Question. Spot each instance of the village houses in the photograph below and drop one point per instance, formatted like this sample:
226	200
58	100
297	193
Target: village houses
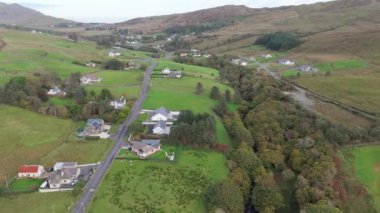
96	128
56	92
286	62
64	178
146	148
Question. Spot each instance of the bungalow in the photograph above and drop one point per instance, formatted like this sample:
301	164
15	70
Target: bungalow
161	128
94	126
174	74
66	176
56	92
114	53
306	68
145	148
65	165
206	55
286	62
119	104
30	171
166	71
89	79
91	64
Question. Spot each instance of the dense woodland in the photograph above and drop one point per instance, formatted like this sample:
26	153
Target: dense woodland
31	93
284	158
279	41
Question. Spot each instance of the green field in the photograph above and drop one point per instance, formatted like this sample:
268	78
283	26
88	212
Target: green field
25	185
120	83
366	164
361	90
61	101
158	186
192	70
27	53
290	73
341	65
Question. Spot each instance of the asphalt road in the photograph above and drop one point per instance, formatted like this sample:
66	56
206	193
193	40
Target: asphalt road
93	184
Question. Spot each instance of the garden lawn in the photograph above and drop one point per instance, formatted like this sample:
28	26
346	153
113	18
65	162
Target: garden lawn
25	185
366	163
191	70
150	186
120	83
290	73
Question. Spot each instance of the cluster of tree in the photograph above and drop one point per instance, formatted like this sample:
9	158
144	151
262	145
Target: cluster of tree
279	41
73	36
31	93
103	40
177	44
193	129
114	64
277	143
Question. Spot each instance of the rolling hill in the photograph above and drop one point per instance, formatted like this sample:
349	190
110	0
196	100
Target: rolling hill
15	14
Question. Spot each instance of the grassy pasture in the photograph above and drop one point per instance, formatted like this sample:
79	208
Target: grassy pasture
359	89
290	73
341	65
158	186
26	53
196	71
120	83
366	164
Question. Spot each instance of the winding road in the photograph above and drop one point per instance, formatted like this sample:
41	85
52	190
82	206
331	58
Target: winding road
93	184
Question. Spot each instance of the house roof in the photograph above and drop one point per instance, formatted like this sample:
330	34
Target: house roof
151	142
28	169
65	164
97	123
162	111
63	174
160	124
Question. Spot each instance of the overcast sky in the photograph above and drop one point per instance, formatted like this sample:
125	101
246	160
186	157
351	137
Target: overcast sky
122	10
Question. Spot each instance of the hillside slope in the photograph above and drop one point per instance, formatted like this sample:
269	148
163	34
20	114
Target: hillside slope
15	14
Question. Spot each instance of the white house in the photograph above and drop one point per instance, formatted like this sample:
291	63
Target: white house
119	104
183	54
166	71
114	53
91	64
65	165
244	63
89	79
206	55
161	128
30	171
66	176
286	62
56	92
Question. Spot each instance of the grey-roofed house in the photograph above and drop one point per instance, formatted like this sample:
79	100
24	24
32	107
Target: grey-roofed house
63	178
306	68
161	114
145	148
94	126
161	128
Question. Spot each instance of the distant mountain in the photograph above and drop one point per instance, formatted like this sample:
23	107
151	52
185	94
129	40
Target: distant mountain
15	14
227	14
